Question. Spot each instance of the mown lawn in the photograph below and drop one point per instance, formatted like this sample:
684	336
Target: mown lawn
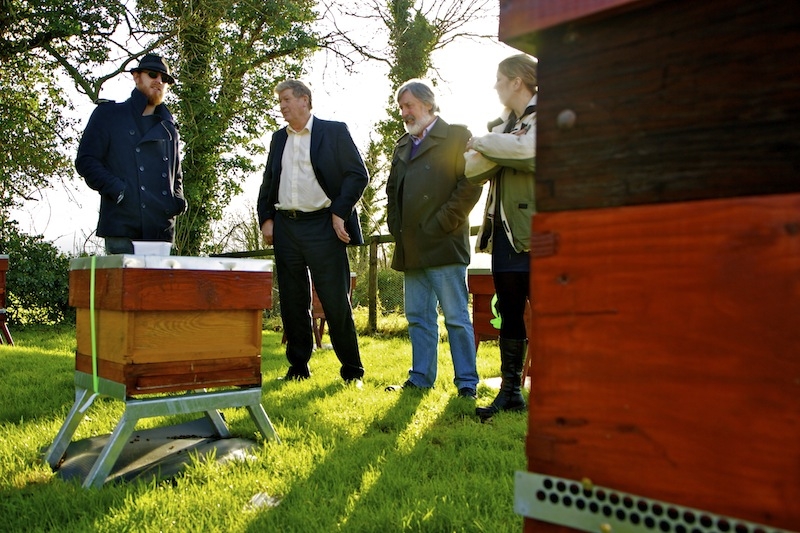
349	460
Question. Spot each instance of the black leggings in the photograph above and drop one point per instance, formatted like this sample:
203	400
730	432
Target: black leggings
512	294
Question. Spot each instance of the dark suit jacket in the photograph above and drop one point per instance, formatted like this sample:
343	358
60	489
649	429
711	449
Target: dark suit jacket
337	165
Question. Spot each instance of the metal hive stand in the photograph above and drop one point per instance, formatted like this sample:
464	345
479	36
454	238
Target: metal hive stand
135	409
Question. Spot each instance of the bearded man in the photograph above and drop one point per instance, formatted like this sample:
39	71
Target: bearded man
429	201
129	153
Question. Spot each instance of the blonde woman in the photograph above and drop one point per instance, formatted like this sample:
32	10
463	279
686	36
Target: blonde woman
505	158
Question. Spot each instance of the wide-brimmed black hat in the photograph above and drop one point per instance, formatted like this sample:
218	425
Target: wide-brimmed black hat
156	64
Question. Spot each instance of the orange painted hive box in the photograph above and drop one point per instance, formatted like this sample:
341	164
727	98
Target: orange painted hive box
171	323
481	286
666	357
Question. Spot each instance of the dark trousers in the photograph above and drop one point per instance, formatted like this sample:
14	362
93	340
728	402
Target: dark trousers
118	245
308	243
512	295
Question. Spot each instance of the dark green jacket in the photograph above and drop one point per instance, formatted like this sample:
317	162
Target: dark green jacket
429	200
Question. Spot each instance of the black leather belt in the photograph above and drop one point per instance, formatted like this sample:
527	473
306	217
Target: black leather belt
295	214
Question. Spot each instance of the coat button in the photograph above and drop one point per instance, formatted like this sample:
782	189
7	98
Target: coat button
142	187
163	193
131	132
143	206
138	150
165	158
163	174
141	169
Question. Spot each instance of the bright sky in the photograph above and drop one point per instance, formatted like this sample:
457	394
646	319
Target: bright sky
67	215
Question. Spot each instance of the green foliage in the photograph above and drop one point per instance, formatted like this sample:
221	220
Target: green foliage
228	57
81	26
37	281
412	39
390	291
34	131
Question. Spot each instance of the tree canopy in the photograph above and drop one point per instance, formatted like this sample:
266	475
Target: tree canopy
35	130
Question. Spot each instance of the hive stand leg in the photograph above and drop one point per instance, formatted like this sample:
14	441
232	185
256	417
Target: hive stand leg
262	421
83	399
105	461
318	327
214	416
6	335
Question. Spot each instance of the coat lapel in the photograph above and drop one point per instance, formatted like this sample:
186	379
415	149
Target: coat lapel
317	133
404	148
280	145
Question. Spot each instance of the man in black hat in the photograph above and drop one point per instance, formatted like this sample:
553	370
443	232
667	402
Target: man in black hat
129	154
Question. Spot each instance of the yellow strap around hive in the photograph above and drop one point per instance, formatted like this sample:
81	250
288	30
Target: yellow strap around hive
95	380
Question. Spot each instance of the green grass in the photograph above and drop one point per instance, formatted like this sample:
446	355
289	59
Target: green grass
349	460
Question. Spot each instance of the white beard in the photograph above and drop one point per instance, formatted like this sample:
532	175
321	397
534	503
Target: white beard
416	128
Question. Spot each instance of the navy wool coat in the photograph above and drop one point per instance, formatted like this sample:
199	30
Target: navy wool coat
115	156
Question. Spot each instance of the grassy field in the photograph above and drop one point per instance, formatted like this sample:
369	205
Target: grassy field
350	460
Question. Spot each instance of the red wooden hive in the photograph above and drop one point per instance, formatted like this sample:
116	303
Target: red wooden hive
666	351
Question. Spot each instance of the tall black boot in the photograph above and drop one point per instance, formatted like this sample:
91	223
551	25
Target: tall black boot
512	357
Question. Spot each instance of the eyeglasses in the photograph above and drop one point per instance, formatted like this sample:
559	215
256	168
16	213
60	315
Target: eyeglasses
154	75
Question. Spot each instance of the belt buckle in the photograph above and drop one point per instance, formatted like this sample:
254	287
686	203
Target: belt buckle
292	213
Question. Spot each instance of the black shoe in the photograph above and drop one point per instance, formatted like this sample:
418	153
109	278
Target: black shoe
292	375
355	382
407	385
468	393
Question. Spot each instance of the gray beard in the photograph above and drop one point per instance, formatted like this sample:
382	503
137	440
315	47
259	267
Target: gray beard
414	129
419	126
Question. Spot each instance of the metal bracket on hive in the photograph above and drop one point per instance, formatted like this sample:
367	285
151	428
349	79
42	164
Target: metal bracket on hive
584	506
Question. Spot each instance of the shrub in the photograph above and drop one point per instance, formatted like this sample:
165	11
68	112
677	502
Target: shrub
390	290
37	282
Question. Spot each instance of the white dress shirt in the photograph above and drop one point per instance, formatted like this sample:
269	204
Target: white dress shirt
299	188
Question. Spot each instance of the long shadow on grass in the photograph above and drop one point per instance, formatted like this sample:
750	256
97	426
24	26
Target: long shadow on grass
279	398
64	506
436	485
341	475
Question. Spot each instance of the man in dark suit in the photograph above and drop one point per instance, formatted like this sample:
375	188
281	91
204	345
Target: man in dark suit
306	208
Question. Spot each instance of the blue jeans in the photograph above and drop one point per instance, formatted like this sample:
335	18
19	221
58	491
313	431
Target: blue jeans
424	289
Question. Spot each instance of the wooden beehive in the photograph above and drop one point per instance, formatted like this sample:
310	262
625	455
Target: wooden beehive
197	325
665	354
481	287
673	100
